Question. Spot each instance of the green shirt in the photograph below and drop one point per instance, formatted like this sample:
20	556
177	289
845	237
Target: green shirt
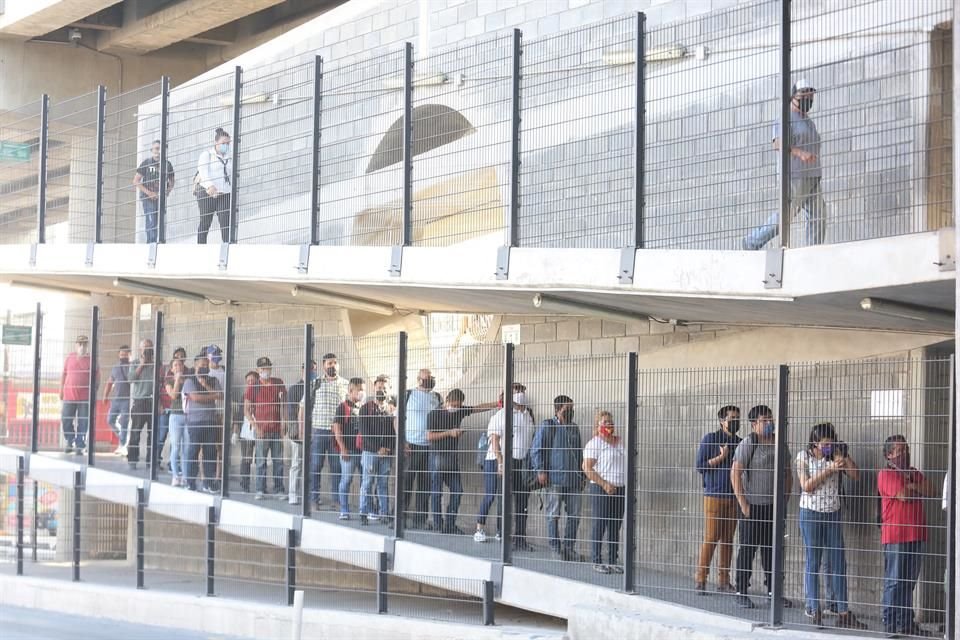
141	388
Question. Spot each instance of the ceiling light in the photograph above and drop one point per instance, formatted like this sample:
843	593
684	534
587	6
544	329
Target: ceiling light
907	311
562	305
50	287
144	287
336	299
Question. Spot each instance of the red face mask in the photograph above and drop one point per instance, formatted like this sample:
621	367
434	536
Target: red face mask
606	431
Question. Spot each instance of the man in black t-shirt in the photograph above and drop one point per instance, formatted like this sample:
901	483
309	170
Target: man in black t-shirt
345	433
443	434
147	182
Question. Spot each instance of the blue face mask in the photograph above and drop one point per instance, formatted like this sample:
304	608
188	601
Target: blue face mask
827	450
224	148
313	376
769	428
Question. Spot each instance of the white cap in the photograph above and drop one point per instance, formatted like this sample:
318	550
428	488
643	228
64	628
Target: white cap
802	84
520	398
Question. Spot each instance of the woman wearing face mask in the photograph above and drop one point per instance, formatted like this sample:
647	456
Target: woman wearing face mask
605	463
820	468
213	188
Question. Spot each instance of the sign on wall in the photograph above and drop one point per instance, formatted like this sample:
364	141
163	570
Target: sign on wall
14	151
20	335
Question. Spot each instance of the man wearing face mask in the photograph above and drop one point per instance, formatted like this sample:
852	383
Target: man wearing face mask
752	477
75	395
378	439
714	461
142	376
118	392
147	181
420	402
805	174
345	432
295	431
328	392
903	532
203	395
557	458
264	404
213	188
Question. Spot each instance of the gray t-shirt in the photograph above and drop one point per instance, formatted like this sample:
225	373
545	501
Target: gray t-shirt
201	414
758	460
141	387
804	135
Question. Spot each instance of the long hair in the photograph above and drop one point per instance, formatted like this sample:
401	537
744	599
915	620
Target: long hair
819	432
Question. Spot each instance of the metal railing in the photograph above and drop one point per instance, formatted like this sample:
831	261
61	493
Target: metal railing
621	134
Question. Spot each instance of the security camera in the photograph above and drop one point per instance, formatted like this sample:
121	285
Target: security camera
75	36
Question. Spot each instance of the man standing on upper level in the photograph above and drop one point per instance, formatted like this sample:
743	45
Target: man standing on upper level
147	182
75	395
805	174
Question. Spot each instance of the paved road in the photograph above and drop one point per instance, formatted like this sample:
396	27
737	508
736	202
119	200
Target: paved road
30	624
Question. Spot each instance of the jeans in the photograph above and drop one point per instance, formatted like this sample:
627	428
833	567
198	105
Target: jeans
150	227
376	469
246	462
163	426
491	491
438	478
141	420
323	447
119	414
179	445
74	437
720	522
218	205
805	195
901	569
295	484
823	537
273	446
347	467
203	440
756	532
417	471
569	499
607	519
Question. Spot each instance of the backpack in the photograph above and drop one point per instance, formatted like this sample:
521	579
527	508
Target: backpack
483	445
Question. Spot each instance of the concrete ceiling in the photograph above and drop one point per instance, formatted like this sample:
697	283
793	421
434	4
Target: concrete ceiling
33	18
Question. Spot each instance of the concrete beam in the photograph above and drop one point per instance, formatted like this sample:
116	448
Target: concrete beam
38	17
177	23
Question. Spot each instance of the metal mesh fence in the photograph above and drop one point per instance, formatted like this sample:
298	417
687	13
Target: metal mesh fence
8	517
175	547
72	169
460	145
341	580
20	131
17	385
49	529
107	542
250	562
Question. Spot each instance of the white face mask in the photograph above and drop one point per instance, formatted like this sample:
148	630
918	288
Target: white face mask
361	397
452	409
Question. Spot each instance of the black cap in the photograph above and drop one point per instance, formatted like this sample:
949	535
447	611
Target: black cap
264	361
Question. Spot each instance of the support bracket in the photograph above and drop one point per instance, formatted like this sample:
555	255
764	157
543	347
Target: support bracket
33	254
628	262
396	261
303	262
773	268
503	262
89	259
946	258
151	255
224	257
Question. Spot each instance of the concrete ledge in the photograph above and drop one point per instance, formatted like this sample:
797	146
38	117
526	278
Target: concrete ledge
52	470
253	522
113	487
423	563
239	617
316	537
8	459
189	506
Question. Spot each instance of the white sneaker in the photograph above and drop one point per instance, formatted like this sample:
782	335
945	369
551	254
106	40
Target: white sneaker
122	451
373	517
259	496
293	500
480	536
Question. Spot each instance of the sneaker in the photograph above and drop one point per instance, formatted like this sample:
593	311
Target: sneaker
497	537
344	516
79	451
831	609
259	496
175	482
373	517
601	568
363	520
68	449
700	589
744	602
120	450
480	536
615	568
293	500
849	621
787	604
207	488
814	615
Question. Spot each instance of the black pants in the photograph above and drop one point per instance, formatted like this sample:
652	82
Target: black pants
203	440
418	470
607	512
246	460
521	498
756	531
219	205
140	420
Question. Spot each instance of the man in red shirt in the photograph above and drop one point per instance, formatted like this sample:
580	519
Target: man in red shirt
263	404
75	396
903	530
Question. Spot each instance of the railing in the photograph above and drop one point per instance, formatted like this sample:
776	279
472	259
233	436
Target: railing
652	530
619	134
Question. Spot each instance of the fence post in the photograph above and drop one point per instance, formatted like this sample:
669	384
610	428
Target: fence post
153	456
488	603
382	582
398	485
77	488
513	207
786	95
226	440
42	170
781	466
315	165
306	473
630	490
35	410
506	446
407	236
141	534
92	384
235	169
291	565
161	230
211	547
33	529
21	487
640	134
98	195
950	587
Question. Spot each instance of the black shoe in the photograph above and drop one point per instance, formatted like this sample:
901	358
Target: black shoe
744	602
68	449
569	555
79	451
815	616
700	588
454	530
363	520
520	544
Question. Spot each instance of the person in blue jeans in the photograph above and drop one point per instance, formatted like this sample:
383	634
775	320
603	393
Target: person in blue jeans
327	393
605	465
806	195
557	458
377	444
203	394
820	468
147	182
345	433
117	391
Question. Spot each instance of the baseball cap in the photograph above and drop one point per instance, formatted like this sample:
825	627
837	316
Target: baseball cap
803	85
82	339
214	352
264	361
520	399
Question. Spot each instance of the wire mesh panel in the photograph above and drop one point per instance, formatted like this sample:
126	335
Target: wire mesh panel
20	131
576	169
361	153
461	134
275	157
448	599
690	426
878	132
712	89
17	386
341	580
567	522
107	542
130	165
135	454
119	345
250	563
49	530
8	519
175	548
870	445
72	169
197	110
